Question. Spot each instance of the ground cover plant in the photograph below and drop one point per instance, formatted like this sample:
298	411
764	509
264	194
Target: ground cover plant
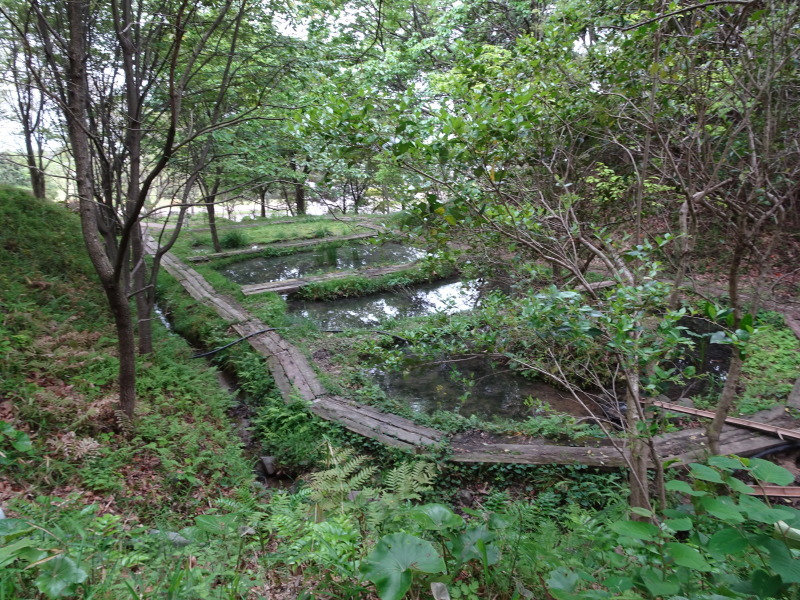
309	228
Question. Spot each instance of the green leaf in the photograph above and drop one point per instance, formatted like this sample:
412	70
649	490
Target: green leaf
766	471
757	510
737	485
686	556
636	529
58	576
705	473
725	509
10	552
727	541
656	584
684	524
563	579
676	485
216	524
14	527
391	562
782	561
765	585
466	546
436	517
725	462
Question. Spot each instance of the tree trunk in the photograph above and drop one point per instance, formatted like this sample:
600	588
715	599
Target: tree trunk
725	402
638	448
262	194
77	121
735	370
210	198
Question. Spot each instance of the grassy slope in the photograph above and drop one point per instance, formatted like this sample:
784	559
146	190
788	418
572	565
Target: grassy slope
57	389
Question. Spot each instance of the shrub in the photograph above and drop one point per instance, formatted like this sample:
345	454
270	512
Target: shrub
233	239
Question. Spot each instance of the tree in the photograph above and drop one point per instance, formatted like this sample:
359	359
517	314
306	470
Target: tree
120	73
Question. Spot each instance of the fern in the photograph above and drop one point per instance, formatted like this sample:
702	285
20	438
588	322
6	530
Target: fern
408	480
346	476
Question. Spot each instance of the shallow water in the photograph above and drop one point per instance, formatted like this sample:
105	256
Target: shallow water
316	262
474	386
372	310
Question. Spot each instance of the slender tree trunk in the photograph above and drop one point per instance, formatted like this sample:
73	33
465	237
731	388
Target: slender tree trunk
77	121
638	447
735	370
262	193
210	198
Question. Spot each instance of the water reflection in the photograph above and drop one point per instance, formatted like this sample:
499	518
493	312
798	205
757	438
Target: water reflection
473	386
370	311
315	262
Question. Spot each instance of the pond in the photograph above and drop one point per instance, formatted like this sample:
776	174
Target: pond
475	386
316	262
370	311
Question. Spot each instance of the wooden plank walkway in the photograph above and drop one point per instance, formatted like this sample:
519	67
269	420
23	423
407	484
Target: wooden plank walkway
288	286
257	248
296	379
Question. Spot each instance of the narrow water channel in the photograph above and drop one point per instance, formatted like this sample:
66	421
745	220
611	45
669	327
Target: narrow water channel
317	262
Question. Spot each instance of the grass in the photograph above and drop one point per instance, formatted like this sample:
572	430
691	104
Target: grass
191	243
96	485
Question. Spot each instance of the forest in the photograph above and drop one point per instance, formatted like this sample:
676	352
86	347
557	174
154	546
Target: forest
449	299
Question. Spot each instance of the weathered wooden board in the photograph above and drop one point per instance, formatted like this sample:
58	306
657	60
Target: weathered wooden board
287	286
540	454
257	248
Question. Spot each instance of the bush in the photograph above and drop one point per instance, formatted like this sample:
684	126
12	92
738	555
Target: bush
233	239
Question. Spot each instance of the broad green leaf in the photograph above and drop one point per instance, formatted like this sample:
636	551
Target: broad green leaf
705	473
657	584
436	517
725	462
563	579
737	485
636	529
727	541
757	510
466	546
782	561
14	527
684	524
58	576
686	556
765	585
391	562
676	485
766	471
725	510
10	552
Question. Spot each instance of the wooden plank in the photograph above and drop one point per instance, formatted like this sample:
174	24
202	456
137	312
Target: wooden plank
781	432
287	286
540	454
779	491
376	421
